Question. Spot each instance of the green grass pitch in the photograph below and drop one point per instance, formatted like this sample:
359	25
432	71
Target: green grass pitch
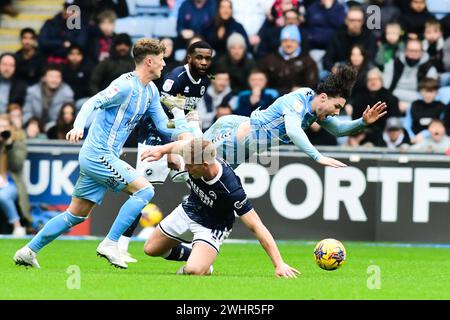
242	271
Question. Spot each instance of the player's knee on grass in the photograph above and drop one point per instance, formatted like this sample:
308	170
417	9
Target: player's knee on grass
197	269
151	250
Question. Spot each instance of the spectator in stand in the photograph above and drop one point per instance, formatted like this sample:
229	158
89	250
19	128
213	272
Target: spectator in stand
44	99
446	117
414	19
16	114
424	110
360	139
118	63
34	129
403	74
392	45
13	153
56	38
29	60
278	8
359	60
77	72
388	14
103	35
8	7
259	96
223	26
345	38
64	124
270	34
94	7
223	110
290	66
169	59
445	22
193	18
252	14
369	95
12	89
445	76
323	18
236	62
436	142
433	44
219	93
395	136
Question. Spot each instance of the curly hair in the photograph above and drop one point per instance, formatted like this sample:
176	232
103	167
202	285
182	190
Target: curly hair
340	83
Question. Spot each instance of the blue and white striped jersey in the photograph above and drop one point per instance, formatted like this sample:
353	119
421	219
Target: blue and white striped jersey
120	107
271	120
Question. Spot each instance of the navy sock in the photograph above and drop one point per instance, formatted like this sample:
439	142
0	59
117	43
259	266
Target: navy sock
179	253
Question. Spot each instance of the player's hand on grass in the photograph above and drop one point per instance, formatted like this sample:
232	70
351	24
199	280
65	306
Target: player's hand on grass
75	135
285	271
330	162
153	154
372	114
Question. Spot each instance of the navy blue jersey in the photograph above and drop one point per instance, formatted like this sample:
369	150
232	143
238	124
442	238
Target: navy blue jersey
177	82
213	203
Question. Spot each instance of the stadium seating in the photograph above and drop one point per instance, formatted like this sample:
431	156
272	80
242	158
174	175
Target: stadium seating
444	95
439	7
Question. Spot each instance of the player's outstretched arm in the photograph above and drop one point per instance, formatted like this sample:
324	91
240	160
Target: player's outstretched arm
254	223
157	152
300	139
341	128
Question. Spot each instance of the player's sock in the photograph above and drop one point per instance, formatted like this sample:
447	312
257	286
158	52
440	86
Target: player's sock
52	229
129	211
178	253
123	243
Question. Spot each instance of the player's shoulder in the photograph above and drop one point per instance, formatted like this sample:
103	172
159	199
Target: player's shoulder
125	81
304	91
176	72
229	180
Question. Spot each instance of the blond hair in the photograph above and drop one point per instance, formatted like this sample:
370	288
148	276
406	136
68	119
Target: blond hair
198	151
145	47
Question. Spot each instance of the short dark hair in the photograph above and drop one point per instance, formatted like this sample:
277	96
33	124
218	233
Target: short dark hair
199	45
340	83
75	47
51	67
429	84
27	30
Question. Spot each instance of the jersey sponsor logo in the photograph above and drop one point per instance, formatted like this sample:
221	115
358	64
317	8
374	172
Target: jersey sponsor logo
202	195
298	106
213	195
202	90
167	86
239	204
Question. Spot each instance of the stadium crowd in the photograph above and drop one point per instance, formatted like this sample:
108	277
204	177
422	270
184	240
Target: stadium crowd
263	49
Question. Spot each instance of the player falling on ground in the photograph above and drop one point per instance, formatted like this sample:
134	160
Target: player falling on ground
206	217
183	87
237	138
121	106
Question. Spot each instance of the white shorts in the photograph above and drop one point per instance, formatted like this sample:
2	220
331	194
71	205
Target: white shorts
156	172
178	226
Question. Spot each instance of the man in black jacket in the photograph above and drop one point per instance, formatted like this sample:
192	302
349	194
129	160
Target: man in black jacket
12	90
352	33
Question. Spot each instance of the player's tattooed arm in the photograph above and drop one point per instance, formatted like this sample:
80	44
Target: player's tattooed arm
255	225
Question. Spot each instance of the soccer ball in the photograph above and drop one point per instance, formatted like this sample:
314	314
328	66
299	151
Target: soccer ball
329	254
151	216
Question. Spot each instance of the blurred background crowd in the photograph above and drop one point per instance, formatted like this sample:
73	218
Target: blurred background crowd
262	49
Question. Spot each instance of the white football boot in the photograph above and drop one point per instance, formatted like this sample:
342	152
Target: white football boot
127	257
110	251
26	257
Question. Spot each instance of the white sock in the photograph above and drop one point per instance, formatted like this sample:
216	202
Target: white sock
123	243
